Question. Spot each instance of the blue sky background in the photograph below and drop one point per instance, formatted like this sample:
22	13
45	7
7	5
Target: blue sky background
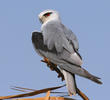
21	66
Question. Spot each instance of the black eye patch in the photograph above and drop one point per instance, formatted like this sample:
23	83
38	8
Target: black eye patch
47	14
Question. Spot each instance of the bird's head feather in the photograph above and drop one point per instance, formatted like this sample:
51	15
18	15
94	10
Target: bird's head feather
48	15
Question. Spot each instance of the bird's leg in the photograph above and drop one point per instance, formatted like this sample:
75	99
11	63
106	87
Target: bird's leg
53	67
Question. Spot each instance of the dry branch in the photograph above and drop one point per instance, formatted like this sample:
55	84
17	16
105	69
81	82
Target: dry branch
30	93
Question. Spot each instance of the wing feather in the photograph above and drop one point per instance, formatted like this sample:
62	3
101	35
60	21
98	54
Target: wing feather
71	37
54	37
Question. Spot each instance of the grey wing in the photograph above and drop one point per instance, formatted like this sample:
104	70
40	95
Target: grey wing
42	49
54	37
37	40
71	37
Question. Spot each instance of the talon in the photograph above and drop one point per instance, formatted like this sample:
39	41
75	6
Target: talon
45	60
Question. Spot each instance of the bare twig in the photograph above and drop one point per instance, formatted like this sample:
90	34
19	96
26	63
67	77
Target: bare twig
31	93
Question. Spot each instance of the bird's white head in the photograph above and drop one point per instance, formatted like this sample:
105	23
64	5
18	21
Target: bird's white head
48	15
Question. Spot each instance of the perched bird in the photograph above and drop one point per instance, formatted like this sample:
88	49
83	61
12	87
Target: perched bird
60	45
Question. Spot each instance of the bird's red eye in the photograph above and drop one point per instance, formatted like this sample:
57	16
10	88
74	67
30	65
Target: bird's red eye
47	14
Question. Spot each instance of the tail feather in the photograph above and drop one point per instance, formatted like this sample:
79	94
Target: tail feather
95	79
92	77
73	69
70	82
